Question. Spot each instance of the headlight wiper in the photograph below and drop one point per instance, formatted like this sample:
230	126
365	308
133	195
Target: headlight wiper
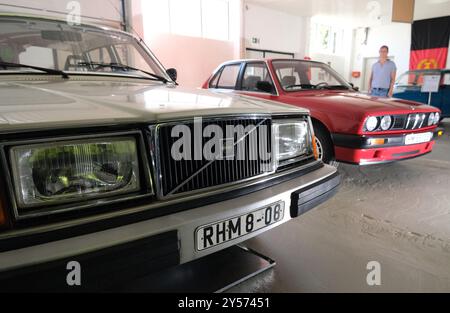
6	65
124	67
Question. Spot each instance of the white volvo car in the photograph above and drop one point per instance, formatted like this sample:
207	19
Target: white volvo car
105	161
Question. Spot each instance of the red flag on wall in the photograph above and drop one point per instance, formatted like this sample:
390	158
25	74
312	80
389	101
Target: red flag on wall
430	40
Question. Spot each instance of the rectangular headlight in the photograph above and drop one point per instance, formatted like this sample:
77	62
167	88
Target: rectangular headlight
61	172
291	139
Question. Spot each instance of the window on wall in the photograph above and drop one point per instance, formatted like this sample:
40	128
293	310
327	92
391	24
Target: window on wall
327	39
196	18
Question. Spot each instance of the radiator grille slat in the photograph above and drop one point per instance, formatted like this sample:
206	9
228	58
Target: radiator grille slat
408	122
179	176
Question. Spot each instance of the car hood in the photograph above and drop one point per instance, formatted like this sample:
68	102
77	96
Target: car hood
358	103
39	104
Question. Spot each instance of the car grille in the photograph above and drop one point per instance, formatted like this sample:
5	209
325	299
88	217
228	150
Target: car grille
177	177
411	121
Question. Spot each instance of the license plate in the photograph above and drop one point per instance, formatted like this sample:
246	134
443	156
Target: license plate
217	233
413	139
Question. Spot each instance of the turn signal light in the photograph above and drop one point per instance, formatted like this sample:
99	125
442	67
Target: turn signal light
440	133
314	144
377	142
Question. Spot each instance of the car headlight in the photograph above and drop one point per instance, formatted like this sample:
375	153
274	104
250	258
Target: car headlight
431	119
437	117
386	122
372	123
60	172
292	139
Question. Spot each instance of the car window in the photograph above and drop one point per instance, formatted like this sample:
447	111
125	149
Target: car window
229	76
45	56
407	79
319	75
61	46
100	55
254	73
420	77
215	79
298	74
288	76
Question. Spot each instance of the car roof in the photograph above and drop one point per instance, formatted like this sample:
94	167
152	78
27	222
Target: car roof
266	60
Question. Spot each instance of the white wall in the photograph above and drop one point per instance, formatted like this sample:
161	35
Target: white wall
195	58
340	62
395	35
425	9
276	30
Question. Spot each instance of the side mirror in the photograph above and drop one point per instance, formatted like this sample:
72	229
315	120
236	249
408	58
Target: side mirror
173	74
354	88
264	86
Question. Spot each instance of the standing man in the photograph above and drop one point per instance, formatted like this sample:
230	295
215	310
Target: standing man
383	75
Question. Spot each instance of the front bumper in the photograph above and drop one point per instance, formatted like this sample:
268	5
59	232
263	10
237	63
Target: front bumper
359	150
128	252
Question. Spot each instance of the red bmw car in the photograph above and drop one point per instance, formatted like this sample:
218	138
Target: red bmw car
349	126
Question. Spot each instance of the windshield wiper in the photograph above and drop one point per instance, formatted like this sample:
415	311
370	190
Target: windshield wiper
124	67
338	87
319	86
6	65
303	86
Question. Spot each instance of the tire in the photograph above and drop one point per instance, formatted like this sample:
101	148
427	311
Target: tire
325	147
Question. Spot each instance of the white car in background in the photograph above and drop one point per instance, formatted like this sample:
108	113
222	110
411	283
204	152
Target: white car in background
90	127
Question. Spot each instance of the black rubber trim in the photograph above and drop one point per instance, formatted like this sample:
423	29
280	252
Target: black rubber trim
64	233
309	197
362	142
101	269
403	154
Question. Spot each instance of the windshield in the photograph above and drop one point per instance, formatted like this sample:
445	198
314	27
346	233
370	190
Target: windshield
415	78
295	75
73	49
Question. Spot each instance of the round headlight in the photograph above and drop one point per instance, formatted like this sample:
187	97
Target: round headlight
386	122
437	117
431	119
372	123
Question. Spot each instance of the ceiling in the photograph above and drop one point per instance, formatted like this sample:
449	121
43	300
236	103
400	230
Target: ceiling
360	12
